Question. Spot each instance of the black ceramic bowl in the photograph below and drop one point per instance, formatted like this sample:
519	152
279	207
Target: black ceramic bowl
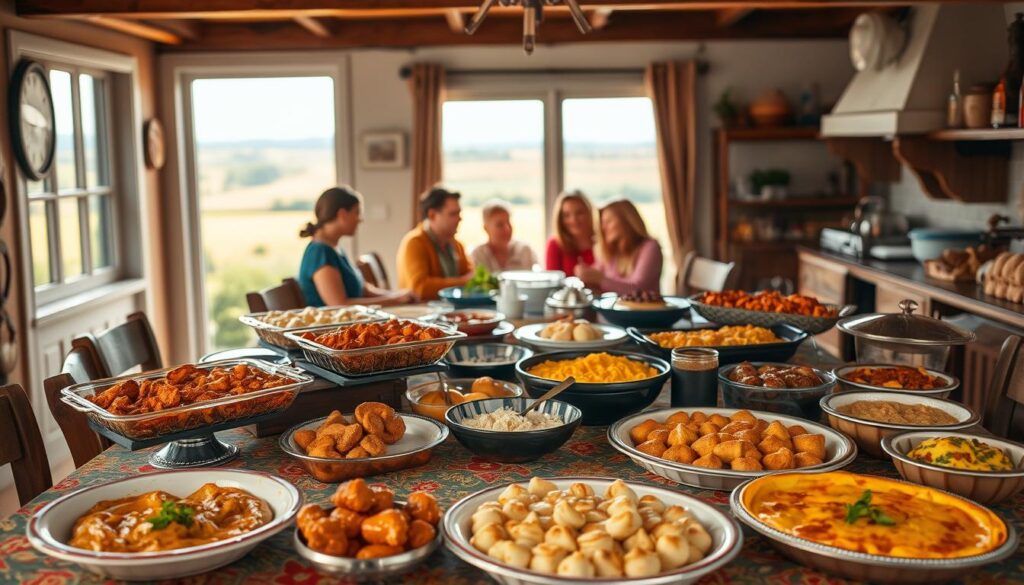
512	446
497	360
781	351
601	403
802	402
676	308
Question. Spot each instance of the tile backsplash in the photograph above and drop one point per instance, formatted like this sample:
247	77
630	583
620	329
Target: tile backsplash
906	197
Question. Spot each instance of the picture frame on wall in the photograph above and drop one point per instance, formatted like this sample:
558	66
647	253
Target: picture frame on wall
382	150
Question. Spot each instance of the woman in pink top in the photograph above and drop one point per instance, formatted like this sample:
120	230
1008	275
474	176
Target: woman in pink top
630	258
572	242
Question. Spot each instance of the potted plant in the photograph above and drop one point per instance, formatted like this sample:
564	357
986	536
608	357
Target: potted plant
727	110
770	183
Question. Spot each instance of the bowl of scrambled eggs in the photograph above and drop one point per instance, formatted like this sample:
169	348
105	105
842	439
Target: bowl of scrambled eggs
983	468
609	384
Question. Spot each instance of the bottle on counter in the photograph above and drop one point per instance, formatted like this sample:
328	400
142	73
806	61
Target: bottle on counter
954	106
694	377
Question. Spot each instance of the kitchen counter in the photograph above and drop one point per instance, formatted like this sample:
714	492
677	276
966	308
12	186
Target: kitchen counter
965	296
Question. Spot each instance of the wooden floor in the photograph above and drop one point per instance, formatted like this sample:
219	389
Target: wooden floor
9	496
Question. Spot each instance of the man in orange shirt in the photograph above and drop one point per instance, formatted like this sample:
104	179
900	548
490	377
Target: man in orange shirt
429	257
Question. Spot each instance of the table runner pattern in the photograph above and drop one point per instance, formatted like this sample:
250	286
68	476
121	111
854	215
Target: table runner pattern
452	473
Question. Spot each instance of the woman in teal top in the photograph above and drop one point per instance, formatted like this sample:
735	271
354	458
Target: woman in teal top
326	275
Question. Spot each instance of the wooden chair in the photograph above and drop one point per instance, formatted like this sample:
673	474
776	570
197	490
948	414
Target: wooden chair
282	297
374	271
84	443
21	444
1005	413
703	274
120	349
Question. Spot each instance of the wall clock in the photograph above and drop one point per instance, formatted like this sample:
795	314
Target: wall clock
30	111
153	140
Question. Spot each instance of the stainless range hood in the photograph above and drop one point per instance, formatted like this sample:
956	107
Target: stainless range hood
909	95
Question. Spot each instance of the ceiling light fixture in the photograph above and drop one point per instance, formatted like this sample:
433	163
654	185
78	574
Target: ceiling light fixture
533	15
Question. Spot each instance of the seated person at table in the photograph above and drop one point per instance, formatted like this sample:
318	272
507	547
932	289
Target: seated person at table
630	259
501	252
572	242
326	275
429	257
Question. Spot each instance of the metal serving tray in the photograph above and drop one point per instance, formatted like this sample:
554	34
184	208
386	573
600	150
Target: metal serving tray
192	416
275	335
383	358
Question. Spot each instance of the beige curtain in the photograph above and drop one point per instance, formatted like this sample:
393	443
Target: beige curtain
427	86
672	89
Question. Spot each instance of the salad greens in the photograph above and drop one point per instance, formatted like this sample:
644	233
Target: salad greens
481	282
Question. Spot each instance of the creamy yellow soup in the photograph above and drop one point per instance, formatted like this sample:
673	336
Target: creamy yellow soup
903	520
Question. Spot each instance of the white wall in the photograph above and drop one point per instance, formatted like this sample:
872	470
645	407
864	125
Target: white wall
381	100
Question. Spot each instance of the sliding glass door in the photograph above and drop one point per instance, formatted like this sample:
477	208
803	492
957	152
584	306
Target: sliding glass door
264	149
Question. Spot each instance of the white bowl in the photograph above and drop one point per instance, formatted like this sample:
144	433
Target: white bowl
50	529
724	530
840	450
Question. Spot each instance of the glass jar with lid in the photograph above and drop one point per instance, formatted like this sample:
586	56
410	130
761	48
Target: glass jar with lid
904	338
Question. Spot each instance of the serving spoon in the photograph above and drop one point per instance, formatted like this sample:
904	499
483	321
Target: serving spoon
550	394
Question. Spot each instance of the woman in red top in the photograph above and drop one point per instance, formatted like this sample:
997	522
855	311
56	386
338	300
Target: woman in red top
572	227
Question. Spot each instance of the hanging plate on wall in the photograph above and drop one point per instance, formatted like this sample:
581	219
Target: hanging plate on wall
32	118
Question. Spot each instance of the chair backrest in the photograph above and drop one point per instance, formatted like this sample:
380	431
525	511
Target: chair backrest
84	443
287	295
21	444
367	271
122	348
375	266
703	274
1005	413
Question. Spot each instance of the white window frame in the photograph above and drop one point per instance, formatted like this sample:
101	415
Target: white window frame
178	72
129	243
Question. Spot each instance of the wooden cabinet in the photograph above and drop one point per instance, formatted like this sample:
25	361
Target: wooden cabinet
888	297
826	281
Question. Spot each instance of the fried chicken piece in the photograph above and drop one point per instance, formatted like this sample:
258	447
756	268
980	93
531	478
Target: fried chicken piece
388	527
376	551
354	495
420	534
423	506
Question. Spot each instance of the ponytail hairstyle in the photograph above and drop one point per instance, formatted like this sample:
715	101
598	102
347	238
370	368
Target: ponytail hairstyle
328	205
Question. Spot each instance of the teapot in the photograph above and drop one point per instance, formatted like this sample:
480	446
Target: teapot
872	220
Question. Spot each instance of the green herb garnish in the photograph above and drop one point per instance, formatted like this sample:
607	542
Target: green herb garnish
862	508
171	512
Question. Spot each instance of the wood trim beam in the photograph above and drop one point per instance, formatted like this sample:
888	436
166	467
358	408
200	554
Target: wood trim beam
285	9
316	27
508	31
455	21
186	29
136	29
730	16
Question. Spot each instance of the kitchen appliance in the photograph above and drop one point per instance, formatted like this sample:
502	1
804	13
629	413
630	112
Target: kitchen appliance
1011	237
904	338
535	284
573	299
875	232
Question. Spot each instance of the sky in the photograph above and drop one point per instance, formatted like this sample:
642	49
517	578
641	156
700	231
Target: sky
296	108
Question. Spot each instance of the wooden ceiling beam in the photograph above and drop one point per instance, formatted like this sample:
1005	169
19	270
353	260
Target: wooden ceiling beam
136	29
315	26
629	26
286	9
186	29
730	16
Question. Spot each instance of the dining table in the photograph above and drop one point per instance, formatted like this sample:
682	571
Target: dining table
452	473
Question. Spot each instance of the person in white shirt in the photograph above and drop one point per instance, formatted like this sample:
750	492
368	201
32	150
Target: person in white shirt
501	252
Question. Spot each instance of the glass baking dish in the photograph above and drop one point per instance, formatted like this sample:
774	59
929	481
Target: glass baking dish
381	358
191	416
274	335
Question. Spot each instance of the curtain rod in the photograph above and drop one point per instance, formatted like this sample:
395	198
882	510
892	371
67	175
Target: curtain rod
406	71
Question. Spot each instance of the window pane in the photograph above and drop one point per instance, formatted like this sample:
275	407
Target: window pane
265	152
609	150
70	236
88	87
100	231
35	187
60	86
495	149
39	234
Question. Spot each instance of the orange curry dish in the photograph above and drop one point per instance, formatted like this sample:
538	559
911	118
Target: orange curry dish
184	385
378	334
769	302
158	521
901	377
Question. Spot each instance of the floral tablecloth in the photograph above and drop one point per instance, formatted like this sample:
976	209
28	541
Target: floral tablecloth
452	473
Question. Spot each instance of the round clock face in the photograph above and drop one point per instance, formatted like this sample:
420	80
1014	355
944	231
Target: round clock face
32	119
